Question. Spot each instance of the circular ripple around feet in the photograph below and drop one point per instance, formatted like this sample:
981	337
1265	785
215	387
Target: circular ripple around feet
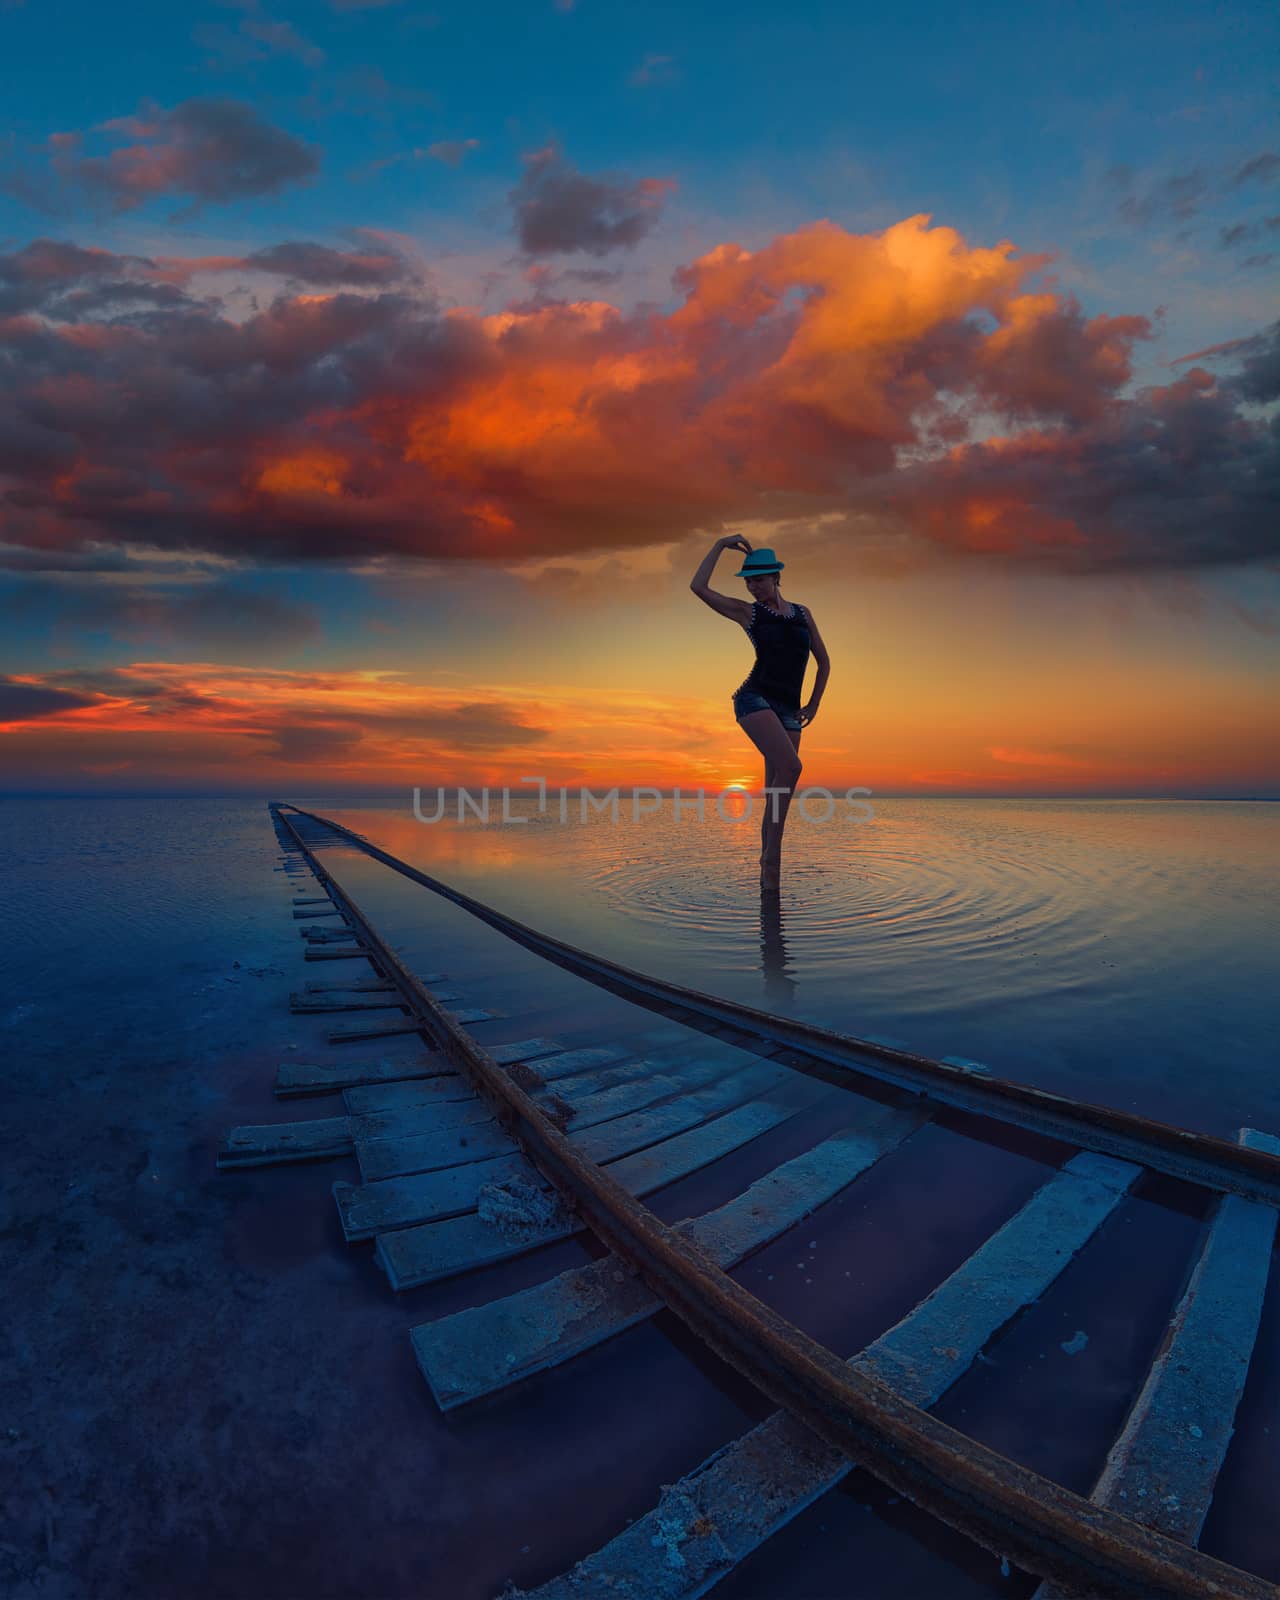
861	894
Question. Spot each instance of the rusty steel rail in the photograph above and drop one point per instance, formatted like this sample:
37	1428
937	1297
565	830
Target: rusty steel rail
1010	1510
1198	1158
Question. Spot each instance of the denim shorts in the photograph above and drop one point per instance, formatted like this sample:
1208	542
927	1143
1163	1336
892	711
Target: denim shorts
746	701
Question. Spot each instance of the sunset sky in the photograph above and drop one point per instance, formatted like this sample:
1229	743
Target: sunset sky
376	376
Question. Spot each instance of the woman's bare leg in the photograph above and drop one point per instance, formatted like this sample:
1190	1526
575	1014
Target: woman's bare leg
787	780
780	748
771	826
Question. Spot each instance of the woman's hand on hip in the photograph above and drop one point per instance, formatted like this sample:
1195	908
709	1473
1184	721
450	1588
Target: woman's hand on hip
808	713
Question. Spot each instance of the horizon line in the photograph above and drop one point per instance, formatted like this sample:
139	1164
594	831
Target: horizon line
495	790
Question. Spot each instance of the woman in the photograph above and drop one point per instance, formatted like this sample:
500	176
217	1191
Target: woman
767	702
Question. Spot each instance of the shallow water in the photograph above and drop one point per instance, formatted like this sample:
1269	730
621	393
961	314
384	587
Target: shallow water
1117	951
207	1392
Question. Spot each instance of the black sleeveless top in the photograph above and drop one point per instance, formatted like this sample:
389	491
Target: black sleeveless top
782	653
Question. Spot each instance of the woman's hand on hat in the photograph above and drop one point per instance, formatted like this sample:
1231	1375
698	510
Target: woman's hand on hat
735	541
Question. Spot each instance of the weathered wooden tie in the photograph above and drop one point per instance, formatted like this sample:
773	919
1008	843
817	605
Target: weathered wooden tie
353	986
577	1064
402	1202
395	1096
595	1100
345	997
601	1140
325	1077
420	1110
339	1000
390	1028
418	1115
488	1347
317	1139
295	1078
726	1508
1162	1468
412	1255
446	1114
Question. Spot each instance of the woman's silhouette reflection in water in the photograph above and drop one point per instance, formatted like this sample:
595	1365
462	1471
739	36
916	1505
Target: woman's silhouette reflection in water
767	702
779	985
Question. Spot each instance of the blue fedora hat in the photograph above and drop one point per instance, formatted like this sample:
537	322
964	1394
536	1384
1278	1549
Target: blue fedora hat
758	562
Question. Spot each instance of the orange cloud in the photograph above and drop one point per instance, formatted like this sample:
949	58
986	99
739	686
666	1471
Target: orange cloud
1039	758
312	472
826	374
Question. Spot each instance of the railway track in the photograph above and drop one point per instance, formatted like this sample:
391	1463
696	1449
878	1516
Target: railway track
470	1155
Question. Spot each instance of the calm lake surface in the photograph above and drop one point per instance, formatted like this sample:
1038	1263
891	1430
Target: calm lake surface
1117	951
1120	951
207	1392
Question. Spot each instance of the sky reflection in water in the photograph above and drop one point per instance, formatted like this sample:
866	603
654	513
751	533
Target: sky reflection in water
1116	950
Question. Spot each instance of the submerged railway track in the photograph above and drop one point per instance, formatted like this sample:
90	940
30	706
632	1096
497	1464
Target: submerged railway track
470	1156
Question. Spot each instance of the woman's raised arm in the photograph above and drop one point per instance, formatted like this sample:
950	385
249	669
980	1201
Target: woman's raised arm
726	604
